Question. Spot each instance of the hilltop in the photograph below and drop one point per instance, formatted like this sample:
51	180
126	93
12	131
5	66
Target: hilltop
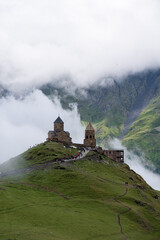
42	196
114	108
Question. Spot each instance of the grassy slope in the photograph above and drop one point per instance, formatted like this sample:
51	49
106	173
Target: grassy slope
143	134
34	207
45	152
103	132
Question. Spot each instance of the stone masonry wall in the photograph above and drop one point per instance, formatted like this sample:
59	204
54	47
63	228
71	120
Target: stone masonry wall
58	127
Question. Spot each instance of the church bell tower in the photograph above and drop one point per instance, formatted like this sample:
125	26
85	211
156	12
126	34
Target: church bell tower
90	140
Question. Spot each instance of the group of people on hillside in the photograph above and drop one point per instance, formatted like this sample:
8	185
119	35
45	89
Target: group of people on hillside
79	154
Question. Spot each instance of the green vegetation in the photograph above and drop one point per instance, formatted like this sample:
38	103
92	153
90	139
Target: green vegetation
103	131
144	134
88	199
45	152
113	108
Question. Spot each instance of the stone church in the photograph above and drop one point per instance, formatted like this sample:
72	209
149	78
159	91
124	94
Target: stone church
59	135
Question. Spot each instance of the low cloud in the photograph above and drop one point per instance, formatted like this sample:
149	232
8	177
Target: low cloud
26	121
138	165
83	40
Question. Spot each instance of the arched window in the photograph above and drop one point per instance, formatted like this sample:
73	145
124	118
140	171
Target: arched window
87	136
90	136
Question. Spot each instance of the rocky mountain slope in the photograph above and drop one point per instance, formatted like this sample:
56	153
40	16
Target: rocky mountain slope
90	198
144	133
114	108
118	99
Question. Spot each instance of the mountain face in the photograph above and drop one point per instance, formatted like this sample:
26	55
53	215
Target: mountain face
43	197
121	98
144	133
114	108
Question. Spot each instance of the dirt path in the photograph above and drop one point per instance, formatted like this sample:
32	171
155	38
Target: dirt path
107	180
43	187
83	154
116	199
43	165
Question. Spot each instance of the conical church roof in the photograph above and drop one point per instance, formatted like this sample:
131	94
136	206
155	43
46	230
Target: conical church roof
58	120
89	127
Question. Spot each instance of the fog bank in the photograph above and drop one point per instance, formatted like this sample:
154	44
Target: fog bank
26	121
137	164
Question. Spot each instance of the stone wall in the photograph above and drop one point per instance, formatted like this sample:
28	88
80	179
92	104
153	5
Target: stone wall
50	134
62	137
116	155
78	145
58	127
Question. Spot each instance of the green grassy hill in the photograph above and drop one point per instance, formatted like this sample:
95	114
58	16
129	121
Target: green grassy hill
43	153
144	133
82	200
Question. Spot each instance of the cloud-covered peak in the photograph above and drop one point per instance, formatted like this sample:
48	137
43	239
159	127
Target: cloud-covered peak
41	41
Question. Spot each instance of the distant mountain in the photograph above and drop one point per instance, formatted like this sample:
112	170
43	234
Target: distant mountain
119	103
113	108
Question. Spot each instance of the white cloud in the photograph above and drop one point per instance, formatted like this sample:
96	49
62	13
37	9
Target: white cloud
138	165
25	122
44	40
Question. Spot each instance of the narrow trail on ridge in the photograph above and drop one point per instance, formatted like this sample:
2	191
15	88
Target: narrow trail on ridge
116	199
43	165
44	188
123	212
41	187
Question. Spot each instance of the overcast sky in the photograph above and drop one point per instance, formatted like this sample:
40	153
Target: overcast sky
43	40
